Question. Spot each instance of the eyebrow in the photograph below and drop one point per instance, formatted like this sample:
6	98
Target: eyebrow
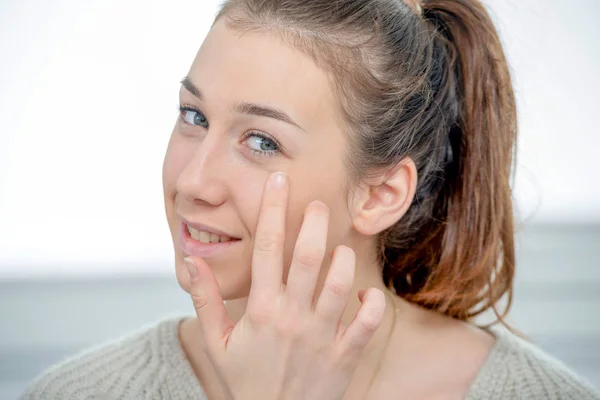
246	108
190	87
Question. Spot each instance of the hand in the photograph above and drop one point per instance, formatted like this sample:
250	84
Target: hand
287	346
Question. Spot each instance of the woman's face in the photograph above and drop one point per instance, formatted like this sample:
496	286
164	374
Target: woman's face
252	106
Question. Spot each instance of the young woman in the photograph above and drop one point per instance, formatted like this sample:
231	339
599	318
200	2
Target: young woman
339	176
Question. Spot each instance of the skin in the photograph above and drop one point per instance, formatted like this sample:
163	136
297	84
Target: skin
211	175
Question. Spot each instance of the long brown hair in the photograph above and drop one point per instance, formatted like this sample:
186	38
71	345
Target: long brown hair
429	82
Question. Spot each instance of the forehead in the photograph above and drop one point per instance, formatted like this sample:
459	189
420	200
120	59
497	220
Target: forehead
258	66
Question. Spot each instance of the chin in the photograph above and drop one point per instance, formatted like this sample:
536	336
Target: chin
234	283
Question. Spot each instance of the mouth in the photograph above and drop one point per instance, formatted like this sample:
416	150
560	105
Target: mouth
194	242
207	237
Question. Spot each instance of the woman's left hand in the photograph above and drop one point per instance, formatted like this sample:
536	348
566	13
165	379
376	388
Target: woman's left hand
287	346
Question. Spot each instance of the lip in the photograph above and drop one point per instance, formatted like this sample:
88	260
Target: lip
191	247
200	227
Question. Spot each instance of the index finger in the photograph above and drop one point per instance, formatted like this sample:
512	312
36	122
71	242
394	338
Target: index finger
267	257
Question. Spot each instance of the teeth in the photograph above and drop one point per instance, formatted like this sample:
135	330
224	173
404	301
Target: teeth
204	237
207	237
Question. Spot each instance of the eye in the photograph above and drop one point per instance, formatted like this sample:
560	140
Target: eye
262	144
192	116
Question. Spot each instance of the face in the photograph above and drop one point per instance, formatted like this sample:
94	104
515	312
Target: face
251	105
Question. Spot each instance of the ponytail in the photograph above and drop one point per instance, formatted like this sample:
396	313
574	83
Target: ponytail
465	260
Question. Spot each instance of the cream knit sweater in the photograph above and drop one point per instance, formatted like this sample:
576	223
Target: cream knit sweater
150	364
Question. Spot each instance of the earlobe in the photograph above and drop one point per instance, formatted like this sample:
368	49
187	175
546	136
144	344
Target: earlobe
381	202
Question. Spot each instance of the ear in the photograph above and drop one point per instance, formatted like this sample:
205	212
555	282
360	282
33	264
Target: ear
383	200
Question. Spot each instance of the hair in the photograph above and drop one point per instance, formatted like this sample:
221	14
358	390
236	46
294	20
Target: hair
429	82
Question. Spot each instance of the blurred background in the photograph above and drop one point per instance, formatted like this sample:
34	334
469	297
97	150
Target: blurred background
88	97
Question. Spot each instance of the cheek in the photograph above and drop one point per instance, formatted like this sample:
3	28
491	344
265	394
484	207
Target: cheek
328	191
247	191
247	186
176	158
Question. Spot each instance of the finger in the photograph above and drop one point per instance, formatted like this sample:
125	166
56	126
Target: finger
267	257
365	322
308	256
208	303
336	289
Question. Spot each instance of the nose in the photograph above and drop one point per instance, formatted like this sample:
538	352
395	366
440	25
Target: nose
203	179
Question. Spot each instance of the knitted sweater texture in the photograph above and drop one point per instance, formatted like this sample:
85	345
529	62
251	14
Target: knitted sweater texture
150	364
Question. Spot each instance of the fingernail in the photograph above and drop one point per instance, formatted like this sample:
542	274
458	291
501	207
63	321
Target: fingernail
277	180
191	267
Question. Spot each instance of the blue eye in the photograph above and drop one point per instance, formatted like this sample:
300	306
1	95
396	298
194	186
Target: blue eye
191	116
262	144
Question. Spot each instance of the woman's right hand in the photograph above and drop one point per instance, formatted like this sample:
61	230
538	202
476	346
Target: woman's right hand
287	346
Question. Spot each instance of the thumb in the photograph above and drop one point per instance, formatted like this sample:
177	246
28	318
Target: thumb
208	303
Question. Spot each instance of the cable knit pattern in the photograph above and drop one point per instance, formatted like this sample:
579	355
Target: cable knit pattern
150	364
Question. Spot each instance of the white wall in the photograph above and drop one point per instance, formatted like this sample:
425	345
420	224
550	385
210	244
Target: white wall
88	96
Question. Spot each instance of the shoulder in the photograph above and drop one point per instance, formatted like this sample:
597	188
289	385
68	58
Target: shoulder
146	364
517	369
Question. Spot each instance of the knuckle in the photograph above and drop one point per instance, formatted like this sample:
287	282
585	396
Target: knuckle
259	316
286	328
369	324
346	359
293	327
199	301
339	288
309	257
275	203
269	242
356	344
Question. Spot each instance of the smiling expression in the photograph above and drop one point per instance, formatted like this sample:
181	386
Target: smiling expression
249	106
